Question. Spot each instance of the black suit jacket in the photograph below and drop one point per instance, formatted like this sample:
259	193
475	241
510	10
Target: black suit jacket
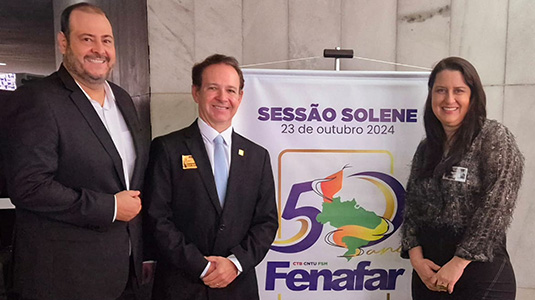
63	172
7	216
5	113
188	222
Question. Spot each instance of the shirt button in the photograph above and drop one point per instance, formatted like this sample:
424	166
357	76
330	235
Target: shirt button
222	227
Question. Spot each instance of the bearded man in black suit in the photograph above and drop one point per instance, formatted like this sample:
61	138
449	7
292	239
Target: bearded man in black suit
76	160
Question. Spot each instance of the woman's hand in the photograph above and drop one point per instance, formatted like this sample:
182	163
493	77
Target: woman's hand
450	273
425	268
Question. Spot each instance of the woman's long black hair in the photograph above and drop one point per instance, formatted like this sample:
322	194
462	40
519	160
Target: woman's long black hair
470	126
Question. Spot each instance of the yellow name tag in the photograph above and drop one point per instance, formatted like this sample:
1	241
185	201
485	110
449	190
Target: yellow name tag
188	162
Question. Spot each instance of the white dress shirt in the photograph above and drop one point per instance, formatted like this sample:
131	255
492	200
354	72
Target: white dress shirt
209	134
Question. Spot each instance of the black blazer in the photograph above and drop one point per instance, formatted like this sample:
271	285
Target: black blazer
5	104
188	222
63	172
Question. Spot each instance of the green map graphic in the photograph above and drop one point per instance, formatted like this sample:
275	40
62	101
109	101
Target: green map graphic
340	214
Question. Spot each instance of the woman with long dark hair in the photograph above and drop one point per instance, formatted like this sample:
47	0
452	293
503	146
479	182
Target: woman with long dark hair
461	193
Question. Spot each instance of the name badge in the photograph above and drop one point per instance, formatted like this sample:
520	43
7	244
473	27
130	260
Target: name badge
457	174
188	162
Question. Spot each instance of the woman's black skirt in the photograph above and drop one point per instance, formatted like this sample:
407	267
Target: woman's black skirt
480	280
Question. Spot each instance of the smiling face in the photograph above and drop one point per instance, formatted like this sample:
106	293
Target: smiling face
89	53
219	96
450	100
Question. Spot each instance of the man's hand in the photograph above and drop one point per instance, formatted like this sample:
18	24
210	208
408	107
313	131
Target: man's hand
223	274
210	269
128	205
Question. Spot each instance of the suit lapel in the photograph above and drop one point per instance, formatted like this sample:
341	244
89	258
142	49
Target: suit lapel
238	161
92	118
195	144
130	116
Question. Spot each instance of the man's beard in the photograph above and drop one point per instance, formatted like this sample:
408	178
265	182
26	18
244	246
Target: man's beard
75	67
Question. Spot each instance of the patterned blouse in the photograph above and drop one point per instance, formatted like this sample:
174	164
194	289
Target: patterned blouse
477	200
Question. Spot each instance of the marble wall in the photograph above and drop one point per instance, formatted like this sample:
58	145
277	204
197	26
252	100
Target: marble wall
496	36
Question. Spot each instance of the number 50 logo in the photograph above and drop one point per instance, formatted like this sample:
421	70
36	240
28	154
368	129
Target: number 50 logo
356	227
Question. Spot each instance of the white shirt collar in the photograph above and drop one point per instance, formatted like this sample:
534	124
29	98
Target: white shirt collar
109	95
210	133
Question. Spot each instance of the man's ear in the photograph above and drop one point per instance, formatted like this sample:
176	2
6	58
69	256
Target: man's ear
195	92
241	96
62	42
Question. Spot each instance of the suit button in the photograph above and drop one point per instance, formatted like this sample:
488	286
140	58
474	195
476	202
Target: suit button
222	227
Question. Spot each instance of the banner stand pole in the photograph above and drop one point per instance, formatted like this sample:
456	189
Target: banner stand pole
337	53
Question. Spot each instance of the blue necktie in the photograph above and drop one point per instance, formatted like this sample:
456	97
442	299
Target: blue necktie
220	168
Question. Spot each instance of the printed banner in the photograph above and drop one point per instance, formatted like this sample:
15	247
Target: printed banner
341	145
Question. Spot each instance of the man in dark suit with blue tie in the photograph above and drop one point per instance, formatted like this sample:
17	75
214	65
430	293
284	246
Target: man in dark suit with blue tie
76	160
210	196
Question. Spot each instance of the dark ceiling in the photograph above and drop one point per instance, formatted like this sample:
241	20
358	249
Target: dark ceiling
27	39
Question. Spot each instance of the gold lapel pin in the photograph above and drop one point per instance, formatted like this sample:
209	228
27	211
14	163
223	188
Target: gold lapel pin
188	162
241	152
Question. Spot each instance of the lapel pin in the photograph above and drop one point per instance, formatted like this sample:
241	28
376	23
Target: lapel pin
241	152
188	162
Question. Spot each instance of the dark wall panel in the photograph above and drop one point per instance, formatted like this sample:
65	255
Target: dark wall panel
27	39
